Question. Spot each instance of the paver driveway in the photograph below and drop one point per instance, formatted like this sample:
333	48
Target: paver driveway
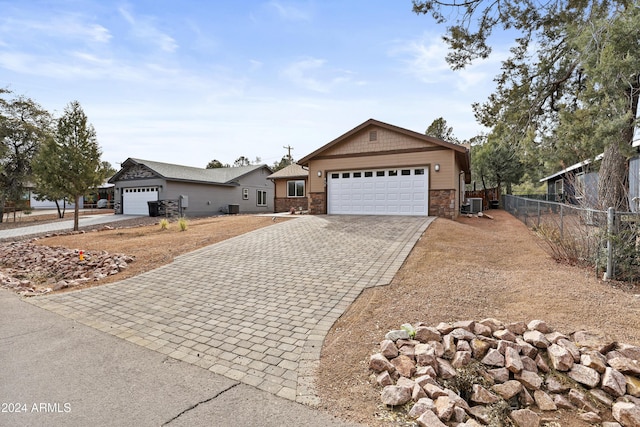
254	308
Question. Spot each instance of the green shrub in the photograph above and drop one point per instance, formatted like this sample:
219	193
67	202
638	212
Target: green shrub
182	223
164	224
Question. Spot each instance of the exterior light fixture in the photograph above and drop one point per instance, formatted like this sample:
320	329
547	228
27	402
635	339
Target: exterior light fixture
319	174
437	167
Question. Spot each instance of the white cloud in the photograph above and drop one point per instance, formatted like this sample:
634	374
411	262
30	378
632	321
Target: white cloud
289	12
424	58
311	74
69	26
254	64
144	28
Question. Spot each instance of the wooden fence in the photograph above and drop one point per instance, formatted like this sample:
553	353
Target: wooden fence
487	195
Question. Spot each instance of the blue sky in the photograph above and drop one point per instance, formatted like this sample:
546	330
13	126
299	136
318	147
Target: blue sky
190	81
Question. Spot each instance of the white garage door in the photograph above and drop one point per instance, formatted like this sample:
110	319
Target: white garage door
134	200
397	191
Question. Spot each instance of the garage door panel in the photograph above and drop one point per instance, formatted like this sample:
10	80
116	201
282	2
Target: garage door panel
380	192
134	200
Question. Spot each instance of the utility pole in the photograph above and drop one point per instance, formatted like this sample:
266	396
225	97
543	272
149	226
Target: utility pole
289	148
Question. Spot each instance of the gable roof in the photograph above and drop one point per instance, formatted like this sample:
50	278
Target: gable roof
292	171
462	152
173	172
572	168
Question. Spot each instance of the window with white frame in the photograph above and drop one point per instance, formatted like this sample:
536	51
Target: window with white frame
261	198
295	188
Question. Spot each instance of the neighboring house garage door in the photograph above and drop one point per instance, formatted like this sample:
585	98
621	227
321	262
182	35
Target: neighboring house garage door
397	191
134	200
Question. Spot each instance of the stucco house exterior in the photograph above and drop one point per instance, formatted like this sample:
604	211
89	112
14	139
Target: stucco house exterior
381	169
191	191
291	185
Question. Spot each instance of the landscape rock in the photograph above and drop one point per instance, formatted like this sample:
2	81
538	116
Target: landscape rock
630	351
499	375
424	334
393	395
505	334
539	325
536	339
429	419
396	335
626	414
584	375
461	358
384	379
602	397
544	401
590	417
594	360
493	358
581	401
443	408
613	382
388	349
560	358
529	379
633	385
509	369
508	389
404	365
421	406
625	365
512	360
482	395
32	269
525	418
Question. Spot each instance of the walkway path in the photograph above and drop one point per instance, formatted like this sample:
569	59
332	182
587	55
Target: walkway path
254	308
50	227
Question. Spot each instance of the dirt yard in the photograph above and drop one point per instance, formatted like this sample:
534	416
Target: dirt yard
153	247
471	268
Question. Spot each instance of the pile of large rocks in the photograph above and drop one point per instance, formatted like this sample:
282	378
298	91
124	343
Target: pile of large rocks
32	269
488	373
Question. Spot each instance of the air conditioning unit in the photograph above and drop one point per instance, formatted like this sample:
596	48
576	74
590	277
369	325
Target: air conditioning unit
475	203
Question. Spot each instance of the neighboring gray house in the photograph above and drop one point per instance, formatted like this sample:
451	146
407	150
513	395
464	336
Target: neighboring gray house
578	184
191	191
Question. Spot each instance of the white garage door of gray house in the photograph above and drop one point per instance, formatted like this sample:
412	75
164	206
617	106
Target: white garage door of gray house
134	200
394	191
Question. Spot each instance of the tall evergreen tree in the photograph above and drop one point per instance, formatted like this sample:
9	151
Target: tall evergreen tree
441	130
24	125
569	89
69	163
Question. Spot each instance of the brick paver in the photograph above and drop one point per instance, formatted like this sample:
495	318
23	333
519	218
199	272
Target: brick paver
255	308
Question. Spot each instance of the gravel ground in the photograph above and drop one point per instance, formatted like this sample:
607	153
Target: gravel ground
472	268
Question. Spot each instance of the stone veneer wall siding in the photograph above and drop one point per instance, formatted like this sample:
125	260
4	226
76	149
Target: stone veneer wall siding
318	203
442	203
284	204
137	172
169	208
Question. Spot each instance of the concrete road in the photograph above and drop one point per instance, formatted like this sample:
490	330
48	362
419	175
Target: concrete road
66	225
57	372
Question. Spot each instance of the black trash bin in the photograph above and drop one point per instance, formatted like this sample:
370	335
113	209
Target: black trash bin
153	207
495	204
234	209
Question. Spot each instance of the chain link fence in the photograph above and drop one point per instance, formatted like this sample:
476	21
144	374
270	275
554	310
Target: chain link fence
608	241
